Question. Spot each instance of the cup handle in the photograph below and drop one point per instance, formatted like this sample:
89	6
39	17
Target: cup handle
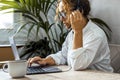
5	67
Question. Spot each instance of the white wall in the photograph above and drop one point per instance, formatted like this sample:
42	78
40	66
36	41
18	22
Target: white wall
109	11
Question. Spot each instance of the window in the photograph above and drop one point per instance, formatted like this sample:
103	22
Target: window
6	19
8	26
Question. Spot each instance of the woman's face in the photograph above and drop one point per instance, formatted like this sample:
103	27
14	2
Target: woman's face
64	16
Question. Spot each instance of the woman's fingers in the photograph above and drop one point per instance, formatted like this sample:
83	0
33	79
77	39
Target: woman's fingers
33	60
42	63
76	20
29	61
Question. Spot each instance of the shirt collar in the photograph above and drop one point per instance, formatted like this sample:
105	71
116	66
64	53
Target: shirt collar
86	28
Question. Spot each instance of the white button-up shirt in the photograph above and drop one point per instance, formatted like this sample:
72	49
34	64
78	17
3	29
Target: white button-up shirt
93	55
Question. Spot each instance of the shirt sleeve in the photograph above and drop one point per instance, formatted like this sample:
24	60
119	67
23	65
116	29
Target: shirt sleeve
82	57
61	56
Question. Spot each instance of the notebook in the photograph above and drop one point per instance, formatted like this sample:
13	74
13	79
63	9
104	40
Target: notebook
32	69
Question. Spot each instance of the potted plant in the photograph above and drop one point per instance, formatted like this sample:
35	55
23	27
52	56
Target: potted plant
36	13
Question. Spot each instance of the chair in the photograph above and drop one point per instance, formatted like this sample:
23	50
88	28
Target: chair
115	57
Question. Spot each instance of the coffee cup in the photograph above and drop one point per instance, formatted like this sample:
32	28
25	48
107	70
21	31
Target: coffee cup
16	69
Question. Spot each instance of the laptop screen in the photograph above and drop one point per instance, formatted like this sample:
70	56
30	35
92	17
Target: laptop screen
14	48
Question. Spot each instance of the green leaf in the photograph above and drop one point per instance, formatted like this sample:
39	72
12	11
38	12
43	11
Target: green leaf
24	25
38	28
50	26
22	2
46	5
10	3
51	3
31	17
30	29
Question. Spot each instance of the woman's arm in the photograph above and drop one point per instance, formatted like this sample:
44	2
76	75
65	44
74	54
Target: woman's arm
41	61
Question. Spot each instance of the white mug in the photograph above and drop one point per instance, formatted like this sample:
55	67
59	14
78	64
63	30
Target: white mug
17	68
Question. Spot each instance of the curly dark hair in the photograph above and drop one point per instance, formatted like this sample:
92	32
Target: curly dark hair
82	5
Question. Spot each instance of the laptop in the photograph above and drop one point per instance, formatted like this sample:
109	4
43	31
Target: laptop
33	69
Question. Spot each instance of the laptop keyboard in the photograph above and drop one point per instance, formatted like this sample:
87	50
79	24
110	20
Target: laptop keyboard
42	70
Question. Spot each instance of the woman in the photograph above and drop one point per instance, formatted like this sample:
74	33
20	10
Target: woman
86	45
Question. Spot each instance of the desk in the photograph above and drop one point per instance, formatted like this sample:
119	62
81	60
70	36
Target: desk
68	75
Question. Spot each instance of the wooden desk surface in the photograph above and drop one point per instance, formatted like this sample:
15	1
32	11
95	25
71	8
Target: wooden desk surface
68	75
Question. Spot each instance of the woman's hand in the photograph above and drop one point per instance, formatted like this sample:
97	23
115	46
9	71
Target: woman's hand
37	60
41	61
77	21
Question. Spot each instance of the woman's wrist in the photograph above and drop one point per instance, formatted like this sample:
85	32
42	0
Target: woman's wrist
49	61
77	31
77	39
